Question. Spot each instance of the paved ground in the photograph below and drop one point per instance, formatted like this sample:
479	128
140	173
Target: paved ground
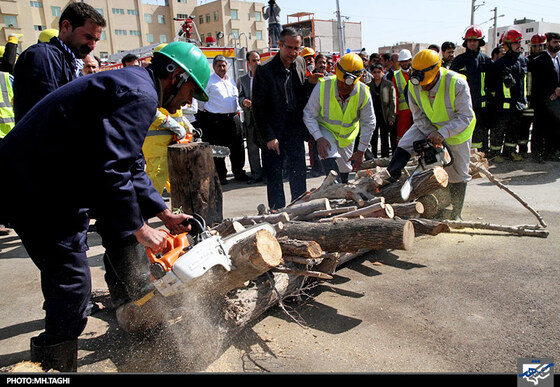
459	302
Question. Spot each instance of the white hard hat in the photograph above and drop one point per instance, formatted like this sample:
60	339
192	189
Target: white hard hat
404	55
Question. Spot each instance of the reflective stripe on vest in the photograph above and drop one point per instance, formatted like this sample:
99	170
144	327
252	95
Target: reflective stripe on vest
444	105
482	88
159	132
401	85
345	126
7	121
507	96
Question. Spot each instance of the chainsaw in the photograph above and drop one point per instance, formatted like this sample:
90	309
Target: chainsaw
196	136
189	255
430	156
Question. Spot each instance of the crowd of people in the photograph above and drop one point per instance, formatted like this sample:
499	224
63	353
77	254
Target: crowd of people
104	137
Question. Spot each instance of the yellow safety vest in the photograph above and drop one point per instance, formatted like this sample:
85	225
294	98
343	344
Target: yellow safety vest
444	105
157	139
400	81
345	126
7	121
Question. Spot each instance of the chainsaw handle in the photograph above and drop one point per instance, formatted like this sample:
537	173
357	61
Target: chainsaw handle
197	223
451	158
176	245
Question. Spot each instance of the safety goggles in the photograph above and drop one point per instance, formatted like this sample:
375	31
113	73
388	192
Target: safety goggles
418	76
350	77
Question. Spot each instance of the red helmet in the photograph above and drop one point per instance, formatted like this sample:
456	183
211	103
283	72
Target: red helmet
538	39
474	32
512	36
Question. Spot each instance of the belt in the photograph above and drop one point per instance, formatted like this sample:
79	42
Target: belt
229	115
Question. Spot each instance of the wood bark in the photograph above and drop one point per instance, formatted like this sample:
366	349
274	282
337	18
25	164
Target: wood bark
423	184
300	248
408	210
354	234
195	186
435	202
303	209
429	226
228	227
265	218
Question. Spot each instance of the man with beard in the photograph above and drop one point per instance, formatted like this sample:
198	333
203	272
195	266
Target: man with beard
474	65
44	67
506	81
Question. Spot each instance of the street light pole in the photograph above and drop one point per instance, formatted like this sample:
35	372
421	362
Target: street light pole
340	29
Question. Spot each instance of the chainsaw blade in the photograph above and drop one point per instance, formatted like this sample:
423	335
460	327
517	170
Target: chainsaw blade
406	189
220	151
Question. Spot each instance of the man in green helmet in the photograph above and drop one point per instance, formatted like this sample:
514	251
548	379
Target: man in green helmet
106	182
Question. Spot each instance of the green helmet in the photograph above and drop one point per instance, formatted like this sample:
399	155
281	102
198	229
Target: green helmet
191	59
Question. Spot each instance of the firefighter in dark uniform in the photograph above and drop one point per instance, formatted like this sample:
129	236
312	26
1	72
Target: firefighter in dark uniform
86	138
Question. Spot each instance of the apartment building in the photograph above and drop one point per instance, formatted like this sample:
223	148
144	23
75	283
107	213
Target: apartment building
139	23
527	27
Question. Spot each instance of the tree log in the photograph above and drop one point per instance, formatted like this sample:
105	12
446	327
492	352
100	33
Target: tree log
265	218
305	208
408	210
429	226
328	213
228	227
354	234
300	248
423	184
435	202
522	230
195	186
377	210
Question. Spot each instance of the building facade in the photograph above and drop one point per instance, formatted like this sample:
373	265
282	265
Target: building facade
139	23
527	26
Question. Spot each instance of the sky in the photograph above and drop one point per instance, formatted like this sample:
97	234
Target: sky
388	22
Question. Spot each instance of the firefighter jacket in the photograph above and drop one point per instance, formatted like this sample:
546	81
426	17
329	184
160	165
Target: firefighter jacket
474	65
508	82
77	153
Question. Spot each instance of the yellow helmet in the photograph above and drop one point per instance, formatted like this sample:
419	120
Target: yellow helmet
350	68
425	67
160	47
307	51
47	35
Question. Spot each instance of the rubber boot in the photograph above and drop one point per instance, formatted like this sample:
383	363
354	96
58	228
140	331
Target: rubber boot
62	357
397	163
457	191
344	177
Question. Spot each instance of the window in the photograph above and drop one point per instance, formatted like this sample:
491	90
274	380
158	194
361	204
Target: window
216	16
182	16
182	1
249	16
234	14
132	12
258	16
207	18
100	10
56	11
118	11
150	38
134	32
104	54
103	35
39	28
163	38
201	19
148	17
235	33
36	4
120	32
10	21
529	29
258	35
161	19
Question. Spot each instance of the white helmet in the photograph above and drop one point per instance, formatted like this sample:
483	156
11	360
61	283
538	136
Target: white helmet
404	55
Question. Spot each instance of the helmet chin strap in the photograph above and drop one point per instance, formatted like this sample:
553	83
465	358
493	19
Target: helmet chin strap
183	78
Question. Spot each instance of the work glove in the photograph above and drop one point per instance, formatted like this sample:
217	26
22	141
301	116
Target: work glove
174	126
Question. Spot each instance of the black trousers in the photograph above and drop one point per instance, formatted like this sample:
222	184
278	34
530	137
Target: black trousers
221	129
293	152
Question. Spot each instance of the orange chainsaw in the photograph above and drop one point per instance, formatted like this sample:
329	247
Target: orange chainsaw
189	255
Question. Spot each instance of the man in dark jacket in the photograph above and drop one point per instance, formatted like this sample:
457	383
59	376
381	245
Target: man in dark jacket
545	96
44	67
280	92
104	176
474	65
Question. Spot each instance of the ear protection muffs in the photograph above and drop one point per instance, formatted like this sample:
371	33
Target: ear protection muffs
183	78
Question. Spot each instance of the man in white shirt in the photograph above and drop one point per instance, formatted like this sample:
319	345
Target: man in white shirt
220	122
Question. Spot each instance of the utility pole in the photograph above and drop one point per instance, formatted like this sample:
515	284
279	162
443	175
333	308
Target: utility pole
474	7
495	34
340	29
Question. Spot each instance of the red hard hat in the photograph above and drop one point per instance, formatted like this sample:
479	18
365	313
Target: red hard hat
512	36
538	39
474	32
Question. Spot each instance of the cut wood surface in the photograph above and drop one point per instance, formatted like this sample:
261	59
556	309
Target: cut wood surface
423	183
354	234
300	248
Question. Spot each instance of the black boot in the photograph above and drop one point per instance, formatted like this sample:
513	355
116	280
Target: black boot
62	357
329	165
398	162
457	191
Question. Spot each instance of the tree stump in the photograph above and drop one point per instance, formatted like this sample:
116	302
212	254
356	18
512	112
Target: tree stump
195	186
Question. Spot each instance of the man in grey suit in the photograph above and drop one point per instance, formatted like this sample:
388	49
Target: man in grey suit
245	84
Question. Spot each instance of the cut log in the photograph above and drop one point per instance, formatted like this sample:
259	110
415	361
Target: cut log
377	210
354	234
195	186
330	189
423	184
228	227
429	226
265	218
408	210
300	248
435	202
305	208
329	213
